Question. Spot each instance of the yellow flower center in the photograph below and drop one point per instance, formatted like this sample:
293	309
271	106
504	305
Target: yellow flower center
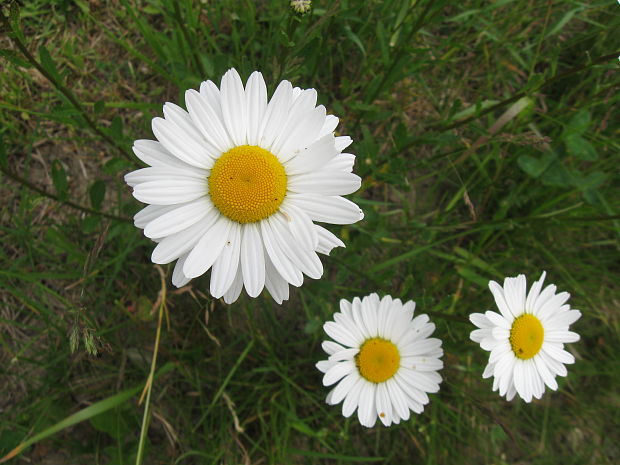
526	336
247	184
378	360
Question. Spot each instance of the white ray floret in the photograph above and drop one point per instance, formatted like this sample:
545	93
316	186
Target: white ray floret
382	360
236	182
526	339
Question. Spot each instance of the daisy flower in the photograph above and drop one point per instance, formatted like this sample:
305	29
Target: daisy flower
383	361
526	339
236	183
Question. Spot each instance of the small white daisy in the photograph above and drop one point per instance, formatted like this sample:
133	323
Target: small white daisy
527	339
384	361
236	182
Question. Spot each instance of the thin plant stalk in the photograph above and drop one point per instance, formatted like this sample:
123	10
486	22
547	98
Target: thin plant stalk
149	382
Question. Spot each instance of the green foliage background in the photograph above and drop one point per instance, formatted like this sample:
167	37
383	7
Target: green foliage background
487	139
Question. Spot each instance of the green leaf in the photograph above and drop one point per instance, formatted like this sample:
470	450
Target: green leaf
99	106
14	58
353	37
111	422
84	414
4	163
48	64
579	123
580	147
97	193
556	175
116	129
59	177
115	165
591	181
535	166
472	276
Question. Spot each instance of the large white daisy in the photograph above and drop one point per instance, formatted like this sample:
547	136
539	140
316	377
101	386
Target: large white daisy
383	359
236	182
526	339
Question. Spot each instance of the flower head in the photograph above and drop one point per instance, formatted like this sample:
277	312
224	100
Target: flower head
301	6
526	339
383	361
236	183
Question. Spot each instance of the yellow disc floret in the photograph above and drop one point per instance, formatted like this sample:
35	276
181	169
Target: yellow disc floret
378	360
526	336
247	184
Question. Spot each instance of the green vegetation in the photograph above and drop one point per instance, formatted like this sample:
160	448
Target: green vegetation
487	139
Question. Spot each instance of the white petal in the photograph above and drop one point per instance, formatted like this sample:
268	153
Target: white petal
226	265
276	114
300	133
313	157
252	260
256	105
498	320
274	282
208	248
343	388
552	305
210	91
514	292
500	351
477	335
563	337
520	381
341	334
344	354
278	257
329	126
383	404
369	314
234	106
165	173
325	365
178	142
331	347
153	153
178	219
352	399
342	162
175	245
534	293
366	411
558	320
327	209
300	226
305	260
337	372
181	119
547	293
500	300
421	347
171	191
418	380
233	292
327	241
398	397
149	213
207	120
500	333
555	351
324	183
342	142
480	320
178	278
544	373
